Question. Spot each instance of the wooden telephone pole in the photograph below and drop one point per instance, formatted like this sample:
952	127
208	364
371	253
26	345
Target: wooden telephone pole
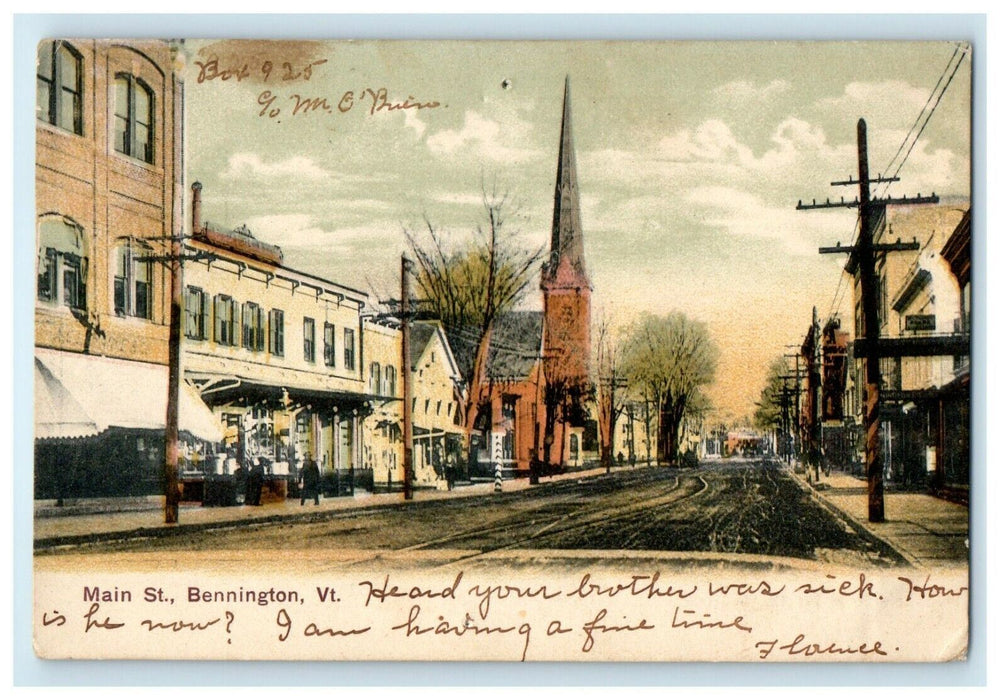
405	310
863	259
815	384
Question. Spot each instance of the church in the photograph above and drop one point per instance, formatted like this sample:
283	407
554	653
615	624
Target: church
538	372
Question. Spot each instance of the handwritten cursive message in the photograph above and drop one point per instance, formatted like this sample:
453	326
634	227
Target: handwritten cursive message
594	615
281	99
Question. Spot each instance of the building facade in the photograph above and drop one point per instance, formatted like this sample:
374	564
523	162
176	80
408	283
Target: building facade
108	200
924	337
436	401
279	356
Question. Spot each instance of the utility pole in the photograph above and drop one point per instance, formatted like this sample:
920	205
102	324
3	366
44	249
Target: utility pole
407	398
863	259
785	412
815	384
171	494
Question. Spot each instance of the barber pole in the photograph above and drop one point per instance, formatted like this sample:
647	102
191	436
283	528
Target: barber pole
497	439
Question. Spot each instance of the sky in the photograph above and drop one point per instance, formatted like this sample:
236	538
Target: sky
691	157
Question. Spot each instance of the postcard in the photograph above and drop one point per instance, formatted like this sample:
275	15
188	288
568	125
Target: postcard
516	351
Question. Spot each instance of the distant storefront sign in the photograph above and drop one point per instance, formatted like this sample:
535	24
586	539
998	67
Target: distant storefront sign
921	322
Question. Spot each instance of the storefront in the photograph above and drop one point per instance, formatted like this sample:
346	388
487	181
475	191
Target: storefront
280	427
99	426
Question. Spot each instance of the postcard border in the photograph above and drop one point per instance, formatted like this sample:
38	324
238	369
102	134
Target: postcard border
28	29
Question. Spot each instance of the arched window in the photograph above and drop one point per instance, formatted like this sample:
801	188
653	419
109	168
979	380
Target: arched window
375	378
134	118
62	263
59	86
132	284
389	381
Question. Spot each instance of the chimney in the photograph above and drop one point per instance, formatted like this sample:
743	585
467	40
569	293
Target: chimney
197	207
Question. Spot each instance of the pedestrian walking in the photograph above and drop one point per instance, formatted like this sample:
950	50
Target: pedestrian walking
310	479
253	491
449	470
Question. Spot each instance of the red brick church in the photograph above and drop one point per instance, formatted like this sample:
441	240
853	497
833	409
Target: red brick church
538	365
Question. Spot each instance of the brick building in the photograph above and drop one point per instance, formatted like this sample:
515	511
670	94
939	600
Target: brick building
538	370
108	200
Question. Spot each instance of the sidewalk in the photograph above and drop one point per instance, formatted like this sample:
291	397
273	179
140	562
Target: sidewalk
927	531
106	518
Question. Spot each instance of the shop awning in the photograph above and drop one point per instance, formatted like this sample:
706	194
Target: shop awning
78	395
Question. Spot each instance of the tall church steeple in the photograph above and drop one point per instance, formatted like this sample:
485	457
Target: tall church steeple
567	238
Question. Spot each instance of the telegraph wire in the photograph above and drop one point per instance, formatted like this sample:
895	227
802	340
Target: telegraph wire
920	132
838	299
923	110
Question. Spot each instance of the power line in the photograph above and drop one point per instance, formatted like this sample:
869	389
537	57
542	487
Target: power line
920	132
923	110
836	298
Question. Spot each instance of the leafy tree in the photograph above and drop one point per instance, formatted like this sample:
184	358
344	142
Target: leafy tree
470	285
669	359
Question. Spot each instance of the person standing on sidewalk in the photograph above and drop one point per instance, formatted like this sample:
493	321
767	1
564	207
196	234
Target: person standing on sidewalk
253	490
310	478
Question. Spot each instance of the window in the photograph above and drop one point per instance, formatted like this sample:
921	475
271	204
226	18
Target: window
227	322
132	285
134	118
252	332
276	332
62	263
349	347
375	378
329	341
389	381
309	339
59	89
197	314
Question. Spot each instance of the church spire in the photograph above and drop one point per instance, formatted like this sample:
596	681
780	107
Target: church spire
567	237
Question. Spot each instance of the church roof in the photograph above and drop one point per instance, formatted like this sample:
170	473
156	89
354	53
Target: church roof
567	237
515	345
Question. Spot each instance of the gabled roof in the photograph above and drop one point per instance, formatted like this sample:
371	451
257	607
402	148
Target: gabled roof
421	335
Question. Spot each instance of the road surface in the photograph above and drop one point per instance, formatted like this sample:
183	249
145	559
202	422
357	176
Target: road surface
724	507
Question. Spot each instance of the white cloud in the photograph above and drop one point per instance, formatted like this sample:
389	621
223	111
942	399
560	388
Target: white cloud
887	92
414	122
303	231
710	141
746	90
466	198
746	215
889	104
287	229
483	138
244	166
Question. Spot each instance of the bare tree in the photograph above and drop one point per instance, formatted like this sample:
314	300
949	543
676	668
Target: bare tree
469	286
610	396
669	359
